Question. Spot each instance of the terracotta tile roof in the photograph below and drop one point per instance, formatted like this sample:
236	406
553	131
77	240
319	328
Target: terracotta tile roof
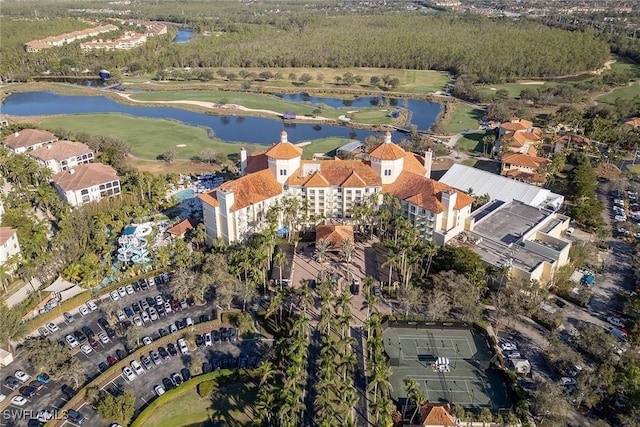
257	162
317	180
388	151
335	172
334	234
247	190
414	164
61	150
516	124
524	176
634	121
181	227
28	138
577	139
533	151
84	176
6	233
437	414
284	151
524	160
424	192
354	181
522	138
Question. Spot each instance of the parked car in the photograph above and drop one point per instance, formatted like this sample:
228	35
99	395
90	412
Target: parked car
136	367
92	305
189	321
79	336
615	321
129	290
18	400
177	379
137	320
12	382
171	348
128	311
111	360
164	353
207	340
224	334
68	391
36	385
146	362
121	354
186	374
43	331
52	327
114	295
88	331
122	292
158	390
233	334
86	349
153	314
68	317
146	340
121	315
44	378
73	343
75	416
507	345
215	335
167	383
199	341
183	346
83	310
145	317
155	357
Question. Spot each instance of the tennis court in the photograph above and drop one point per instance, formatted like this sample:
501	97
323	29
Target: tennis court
466	380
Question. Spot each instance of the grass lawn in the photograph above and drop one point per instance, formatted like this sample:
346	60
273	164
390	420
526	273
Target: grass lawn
324	145
471	142
412	81
231	405
626	92
624	64
634	169
465	117
148	137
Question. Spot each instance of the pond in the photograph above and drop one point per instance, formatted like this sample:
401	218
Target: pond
255	130
185	35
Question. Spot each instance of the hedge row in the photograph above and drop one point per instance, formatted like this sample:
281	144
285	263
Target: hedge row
188	386
68	305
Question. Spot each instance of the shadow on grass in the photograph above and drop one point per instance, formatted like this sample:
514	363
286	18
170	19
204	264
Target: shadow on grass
472	142
230	400
492	166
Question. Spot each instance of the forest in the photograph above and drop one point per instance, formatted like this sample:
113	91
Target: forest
493	49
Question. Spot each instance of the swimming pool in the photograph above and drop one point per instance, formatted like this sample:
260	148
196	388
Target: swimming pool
185	194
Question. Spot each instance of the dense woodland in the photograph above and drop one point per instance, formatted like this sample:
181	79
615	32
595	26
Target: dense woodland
493	50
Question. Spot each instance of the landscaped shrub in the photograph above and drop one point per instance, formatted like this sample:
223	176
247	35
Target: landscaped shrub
206	388
68	305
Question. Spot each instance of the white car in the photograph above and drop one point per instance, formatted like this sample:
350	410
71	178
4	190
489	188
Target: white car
146	340
508	346
167	307
137	320
121	315
145	317
122	292
183	346
189	321
615	321
2	397
72	341
620	218
153	314
52	327
104	338
207	339
129	290
173	328
151	281
43	331
22	375
137	367
158	390
18	400
114	295
567	381
83	310
128	373
86	349
92	305
513	354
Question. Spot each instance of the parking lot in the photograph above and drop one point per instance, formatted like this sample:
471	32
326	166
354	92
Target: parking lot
51	397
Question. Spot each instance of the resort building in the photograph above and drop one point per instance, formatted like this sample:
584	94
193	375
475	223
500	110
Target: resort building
125	42
3	121
329	189
524	167
86	183
525	239
49	42
28	139
63	155
9	245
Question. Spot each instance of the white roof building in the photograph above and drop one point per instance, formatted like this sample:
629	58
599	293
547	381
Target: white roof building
500	188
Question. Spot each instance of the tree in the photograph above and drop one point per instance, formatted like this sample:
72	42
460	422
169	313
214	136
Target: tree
306	78
181	284
582	179
11	322
549	404
410	298
322	248
374	81
46	355
168	156
117	409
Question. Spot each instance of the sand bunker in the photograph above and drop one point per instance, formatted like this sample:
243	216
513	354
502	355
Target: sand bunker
181	145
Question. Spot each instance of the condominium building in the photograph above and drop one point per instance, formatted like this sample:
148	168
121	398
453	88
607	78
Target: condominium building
331	188
63	155
28	139
9	245
87	183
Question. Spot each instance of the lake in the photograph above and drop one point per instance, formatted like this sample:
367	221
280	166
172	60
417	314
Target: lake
185	35
231	128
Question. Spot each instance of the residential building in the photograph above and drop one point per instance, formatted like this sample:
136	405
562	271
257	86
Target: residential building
63	155
330	189
181	228
519	366
28	139
86	183
479	183
435	414
3	121
9	245
125	42
525	239
524	167
62	39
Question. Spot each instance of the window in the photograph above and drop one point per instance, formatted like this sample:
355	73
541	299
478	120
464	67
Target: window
283	172
84	192
387	172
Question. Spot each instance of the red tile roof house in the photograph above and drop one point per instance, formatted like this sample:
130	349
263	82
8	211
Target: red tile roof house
331	188
524	167
9	245
28	139
86	183
63	155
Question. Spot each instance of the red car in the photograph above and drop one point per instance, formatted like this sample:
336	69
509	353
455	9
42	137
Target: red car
175	305
112	360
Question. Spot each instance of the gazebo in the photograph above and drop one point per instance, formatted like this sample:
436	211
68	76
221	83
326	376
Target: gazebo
334	234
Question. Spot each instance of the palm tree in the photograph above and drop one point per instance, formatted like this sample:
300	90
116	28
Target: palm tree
410	387
266	372
347	249
279	260
265	403
322	248
274	304
430	249
305	293
379	382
